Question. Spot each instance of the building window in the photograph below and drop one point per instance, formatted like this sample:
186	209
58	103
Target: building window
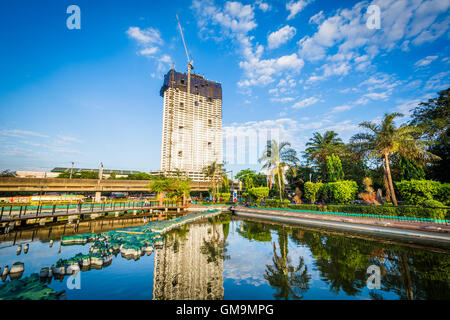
209	122
182	81
181	105
196	103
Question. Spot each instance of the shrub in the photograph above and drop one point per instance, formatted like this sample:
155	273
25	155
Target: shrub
223	195
341	191
401	211
437	213
311	190
417	191
259	193
444	194
432	204
273	203
334	169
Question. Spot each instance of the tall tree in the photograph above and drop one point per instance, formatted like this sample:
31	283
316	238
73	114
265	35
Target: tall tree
277	159
290	280
433	117
321	146
334	169
258	179
386	140
214	172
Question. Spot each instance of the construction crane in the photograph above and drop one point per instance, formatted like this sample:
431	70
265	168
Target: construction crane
189	68
190	62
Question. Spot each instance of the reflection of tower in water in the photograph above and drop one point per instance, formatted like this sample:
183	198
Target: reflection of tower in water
184	270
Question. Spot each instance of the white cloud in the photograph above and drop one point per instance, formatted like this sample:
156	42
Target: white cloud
235	21
287	83
295	7
377	95
317	18
263	6
149	40
438	82
344	107
282	100
18	133
281	36
145	36
381	81
261	71
425	61
305	102
405	106
52	148
404	23
68	139
149	51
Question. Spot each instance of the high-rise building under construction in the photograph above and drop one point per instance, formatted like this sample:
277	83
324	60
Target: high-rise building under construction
192	123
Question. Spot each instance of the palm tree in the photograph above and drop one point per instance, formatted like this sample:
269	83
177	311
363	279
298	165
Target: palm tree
278	158
214	173
319	147
386	140
290	280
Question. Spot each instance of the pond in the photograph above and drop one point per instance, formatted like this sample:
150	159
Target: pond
225	257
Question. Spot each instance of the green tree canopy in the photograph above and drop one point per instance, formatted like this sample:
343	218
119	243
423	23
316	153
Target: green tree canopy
278	158
385	140
334	169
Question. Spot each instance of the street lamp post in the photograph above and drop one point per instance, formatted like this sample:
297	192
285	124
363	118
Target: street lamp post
71	170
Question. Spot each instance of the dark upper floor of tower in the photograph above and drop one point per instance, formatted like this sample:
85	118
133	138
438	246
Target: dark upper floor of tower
199	85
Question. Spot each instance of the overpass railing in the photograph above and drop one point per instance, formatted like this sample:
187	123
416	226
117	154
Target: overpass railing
28	211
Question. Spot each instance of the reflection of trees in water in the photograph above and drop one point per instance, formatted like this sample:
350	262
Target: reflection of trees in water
290	281
417	274
411	273
257	231
342	261
215	248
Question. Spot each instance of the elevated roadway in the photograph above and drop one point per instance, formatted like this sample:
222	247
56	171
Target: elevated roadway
8	184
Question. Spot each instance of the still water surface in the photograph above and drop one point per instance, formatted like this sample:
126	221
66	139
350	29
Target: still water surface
224	258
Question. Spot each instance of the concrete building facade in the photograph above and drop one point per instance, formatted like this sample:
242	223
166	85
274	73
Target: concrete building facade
192	124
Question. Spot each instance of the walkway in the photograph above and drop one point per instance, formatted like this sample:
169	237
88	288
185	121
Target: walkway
26	212
399	229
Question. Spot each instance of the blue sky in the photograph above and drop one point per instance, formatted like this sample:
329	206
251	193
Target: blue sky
92	94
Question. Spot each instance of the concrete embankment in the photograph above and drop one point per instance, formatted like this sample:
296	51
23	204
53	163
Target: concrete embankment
199	208
437	237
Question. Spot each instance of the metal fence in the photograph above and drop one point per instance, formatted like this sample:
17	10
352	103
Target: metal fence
39	210
366	216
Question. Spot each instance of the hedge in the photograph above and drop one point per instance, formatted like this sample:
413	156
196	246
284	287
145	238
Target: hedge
275	203
415	192
224	196
334	192
311	190
259	192
340	191
401	211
